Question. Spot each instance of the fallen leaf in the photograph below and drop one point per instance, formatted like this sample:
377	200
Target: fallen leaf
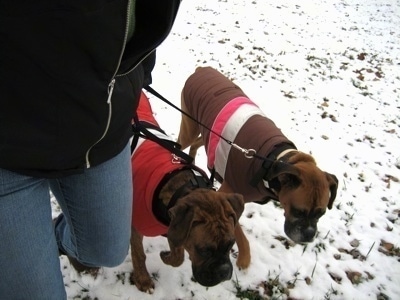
361	56
354	276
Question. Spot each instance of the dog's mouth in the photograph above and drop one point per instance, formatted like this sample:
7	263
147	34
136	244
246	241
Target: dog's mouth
213	273
300	231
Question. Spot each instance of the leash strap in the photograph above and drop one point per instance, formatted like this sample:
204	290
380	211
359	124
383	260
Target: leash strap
158	95
249	153
139	129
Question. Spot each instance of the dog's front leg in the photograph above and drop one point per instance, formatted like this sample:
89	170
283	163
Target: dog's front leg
140	276
195	146
174	257
244	257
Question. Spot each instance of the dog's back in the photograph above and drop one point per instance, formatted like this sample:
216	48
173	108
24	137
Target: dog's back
219	104
207	92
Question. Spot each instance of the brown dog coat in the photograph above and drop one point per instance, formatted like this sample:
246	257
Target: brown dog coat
216	113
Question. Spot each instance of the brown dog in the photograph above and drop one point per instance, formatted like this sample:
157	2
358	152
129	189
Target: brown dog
177	200
265	166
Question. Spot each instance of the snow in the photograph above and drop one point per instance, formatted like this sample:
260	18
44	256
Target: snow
328	73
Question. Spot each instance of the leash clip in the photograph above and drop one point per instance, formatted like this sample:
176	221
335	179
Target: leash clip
175	159
248	153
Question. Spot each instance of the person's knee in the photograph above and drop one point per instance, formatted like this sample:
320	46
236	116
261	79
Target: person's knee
113	260
111	257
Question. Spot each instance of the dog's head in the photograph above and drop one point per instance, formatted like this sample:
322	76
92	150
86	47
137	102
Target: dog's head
305	193
203	223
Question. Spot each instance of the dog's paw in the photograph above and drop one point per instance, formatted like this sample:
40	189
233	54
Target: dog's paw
243	261
143	283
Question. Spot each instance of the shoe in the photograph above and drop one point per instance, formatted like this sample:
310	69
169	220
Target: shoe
82	269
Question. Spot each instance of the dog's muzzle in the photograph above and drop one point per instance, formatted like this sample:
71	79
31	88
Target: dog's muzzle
213	273
300	231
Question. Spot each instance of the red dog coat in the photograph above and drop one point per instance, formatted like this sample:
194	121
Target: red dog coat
150	164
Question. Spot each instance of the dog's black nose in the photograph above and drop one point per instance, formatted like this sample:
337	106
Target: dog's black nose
213	274
224	272
309	233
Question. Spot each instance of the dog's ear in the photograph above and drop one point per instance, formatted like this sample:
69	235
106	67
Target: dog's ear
181	222
287	174
279	168
333	186
237	203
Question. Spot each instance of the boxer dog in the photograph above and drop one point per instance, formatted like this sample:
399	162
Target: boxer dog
265	165
177	200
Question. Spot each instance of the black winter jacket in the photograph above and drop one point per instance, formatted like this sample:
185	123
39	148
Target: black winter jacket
69	81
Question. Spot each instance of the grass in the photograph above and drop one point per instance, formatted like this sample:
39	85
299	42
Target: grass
271	288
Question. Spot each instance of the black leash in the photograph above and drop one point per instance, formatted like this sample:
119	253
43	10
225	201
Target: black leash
140	129
248	153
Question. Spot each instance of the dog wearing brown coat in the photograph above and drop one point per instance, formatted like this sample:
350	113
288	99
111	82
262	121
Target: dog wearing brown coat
177	200
250	155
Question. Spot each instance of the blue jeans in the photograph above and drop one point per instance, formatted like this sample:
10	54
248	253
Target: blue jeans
94	227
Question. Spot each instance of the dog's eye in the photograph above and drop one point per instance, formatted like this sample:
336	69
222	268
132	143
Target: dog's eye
227	247
206	252
318	214
196	223
300	214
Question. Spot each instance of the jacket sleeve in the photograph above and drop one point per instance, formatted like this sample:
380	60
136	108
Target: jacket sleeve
148	66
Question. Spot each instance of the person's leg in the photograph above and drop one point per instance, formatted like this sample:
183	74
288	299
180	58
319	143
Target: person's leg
29	262
94	226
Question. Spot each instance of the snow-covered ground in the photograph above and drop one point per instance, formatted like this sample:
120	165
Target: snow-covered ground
328	73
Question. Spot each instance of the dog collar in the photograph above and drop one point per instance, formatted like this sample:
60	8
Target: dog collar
271	184
199	180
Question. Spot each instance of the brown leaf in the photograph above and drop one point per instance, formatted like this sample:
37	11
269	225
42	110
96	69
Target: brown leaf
357	254
333	118
392	178
361	56
387	246
354	276
389	249
391	131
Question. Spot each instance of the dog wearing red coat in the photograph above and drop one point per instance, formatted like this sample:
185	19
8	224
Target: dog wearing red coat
175	199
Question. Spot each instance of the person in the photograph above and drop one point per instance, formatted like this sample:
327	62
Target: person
71	75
